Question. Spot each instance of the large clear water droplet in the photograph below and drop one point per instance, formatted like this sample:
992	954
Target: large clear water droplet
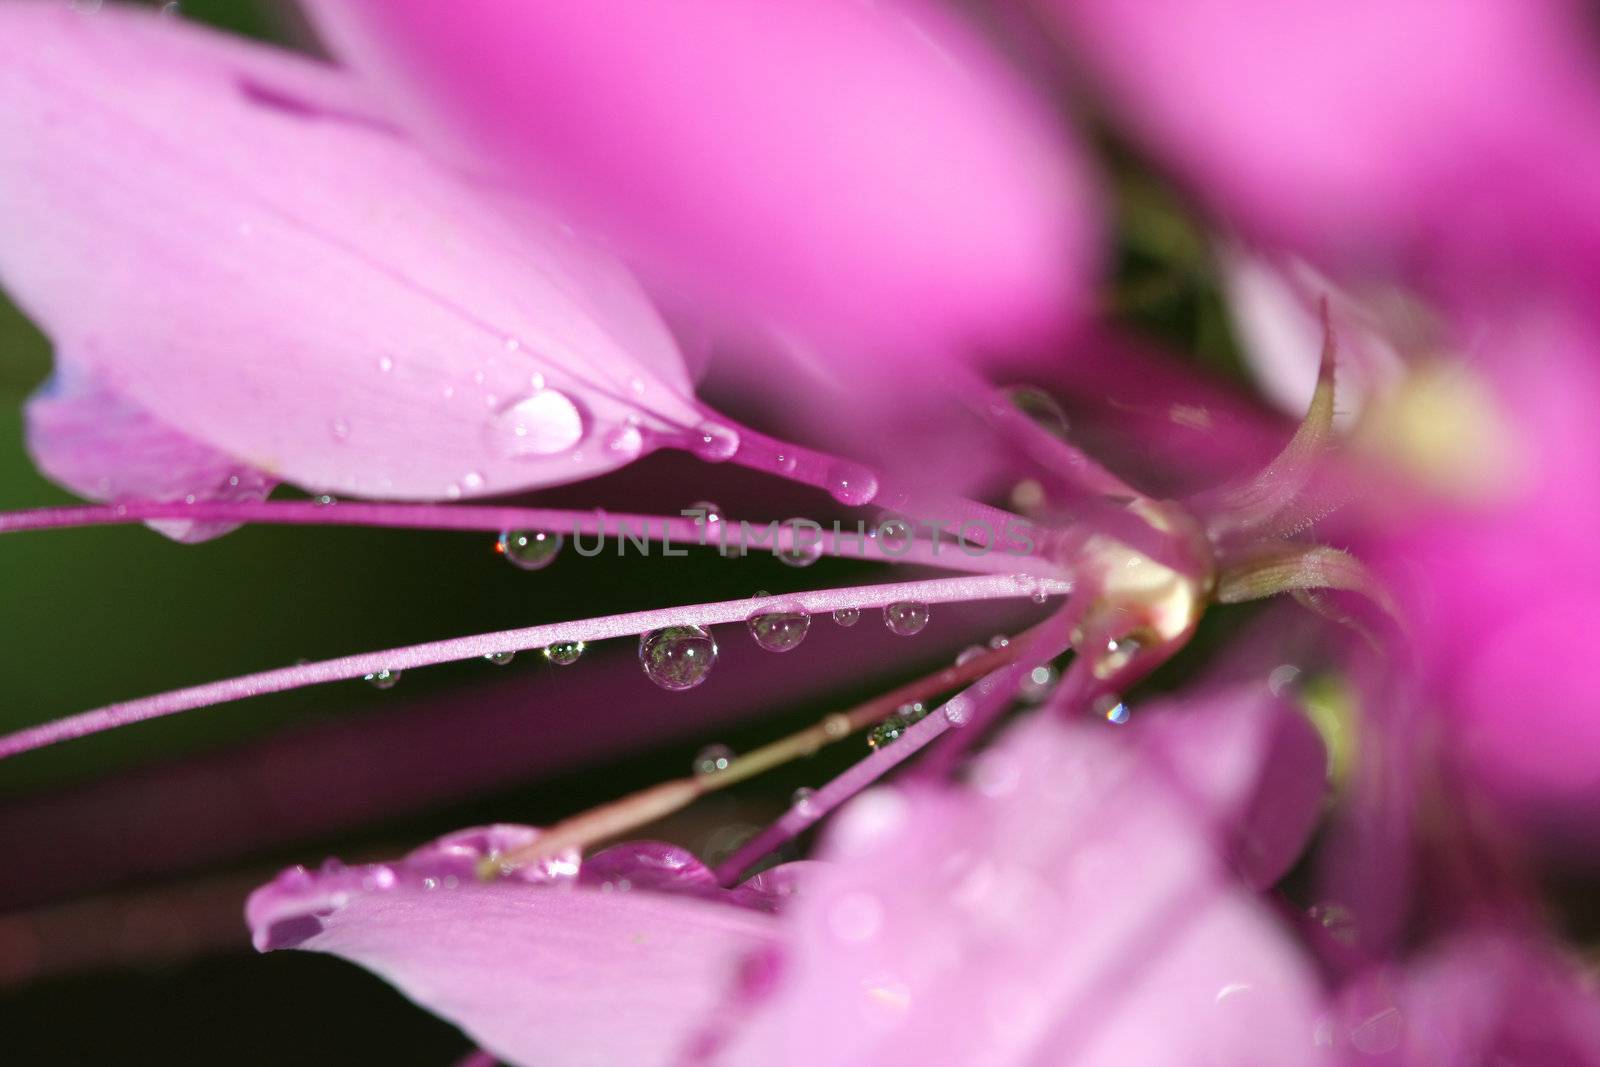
625	442
779	631
958	710
383	679
905	617
851	483
1041	407
500	659
713	758
847	616
887	732
564	653
714	442
677	657
542	424
894	536
799	544
531	550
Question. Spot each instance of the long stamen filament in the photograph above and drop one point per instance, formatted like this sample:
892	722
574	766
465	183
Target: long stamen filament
630	624
646	806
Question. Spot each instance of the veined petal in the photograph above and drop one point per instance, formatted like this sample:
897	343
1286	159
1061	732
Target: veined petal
224	236
93	441
538	969
1046	914
869	173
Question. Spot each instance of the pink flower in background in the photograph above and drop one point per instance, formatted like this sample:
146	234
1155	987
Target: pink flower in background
412	282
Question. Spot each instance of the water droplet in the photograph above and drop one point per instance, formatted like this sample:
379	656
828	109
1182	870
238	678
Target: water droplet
799	543
970	653
711	514
1111	709
384	679
500	659
1037	684
913	712
564	653
894	536
472	480
1041	407
957	711
340	428
636	386
713	758
714	442
779	631
544	424
847	616
677	657
887	732
999	641
905	617
851	483
531	550
448	391
325	500
784	463
385	364
452	491
802	800
625	442
512	344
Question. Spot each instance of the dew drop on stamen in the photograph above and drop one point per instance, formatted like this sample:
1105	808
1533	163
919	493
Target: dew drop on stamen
383	679
1037	684
970	653
340	429
543	424
778	631
529	550
887	732
957	711
711	514
784	463
713	758
802	800
564	653
677	657
905	617
851	483
999	641
798	545
324	500
714	442
847	616
500	659
894	536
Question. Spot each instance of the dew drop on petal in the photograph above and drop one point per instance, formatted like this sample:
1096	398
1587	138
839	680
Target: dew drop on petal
383	679
472	480
677	657
529	550
779	631
905	617
847	616
714	442
385	364
340	429
851	483
500	659
564	653
543	424
957	711
713	758
1041	407
625	442
324	500
887	732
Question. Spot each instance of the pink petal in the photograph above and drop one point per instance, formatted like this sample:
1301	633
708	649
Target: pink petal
92	441
223	236
1066	908
1364	130
538	970
867	171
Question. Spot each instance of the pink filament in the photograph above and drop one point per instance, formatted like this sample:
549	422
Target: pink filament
628	624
